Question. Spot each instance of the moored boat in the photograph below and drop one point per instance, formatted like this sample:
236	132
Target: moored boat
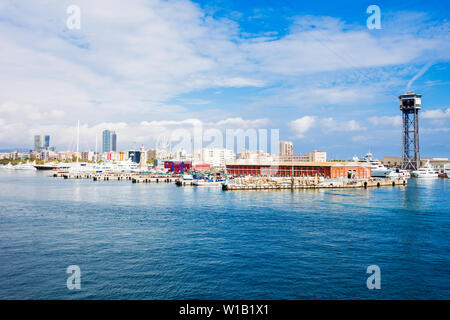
398	173
207	183
427	172
378	170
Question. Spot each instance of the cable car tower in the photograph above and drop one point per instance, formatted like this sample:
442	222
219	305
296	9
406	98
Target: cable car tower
410	104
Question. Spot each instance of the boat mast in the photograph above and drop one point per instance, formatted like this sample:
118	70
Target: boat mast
78	138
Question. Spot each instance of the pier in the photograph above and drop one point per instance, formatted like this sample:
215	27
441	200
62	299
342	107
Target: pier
110	176
307	183
239	183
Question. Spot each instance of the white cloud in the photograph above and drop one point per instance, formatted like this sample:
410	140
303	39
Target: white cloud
333	125
301	125
436	114
394	121
241	123
328	125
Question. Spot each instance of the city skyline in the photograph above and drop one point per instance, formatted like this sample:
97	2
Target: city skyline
313	71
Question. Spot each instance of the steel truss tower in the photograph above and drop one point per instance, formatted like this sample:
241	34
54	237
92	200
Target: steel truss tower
410	104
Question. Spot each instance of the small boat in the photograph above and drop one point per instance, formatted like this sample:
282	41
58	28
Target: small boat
426	171
207	183
398	173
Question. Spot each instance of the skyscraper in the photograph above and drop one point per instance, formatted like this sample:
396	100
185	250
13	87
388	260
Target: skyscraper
41	142
114	141
109	141
106	141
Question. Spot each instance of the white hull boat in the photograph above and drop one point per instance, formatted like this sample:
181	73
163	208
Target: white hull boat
426	172
206	183
378	170
399	174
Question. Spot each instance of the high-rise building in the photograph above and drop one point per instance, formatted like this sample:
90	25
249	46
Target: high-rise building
109	141
113	141
106	141
285	148
41	142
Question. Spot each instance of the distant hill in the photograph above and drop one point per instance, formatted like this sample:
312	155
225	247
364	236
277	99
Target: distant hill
15	149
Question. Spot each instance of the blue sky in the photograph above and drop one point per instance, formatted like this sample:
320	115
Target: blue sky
311	69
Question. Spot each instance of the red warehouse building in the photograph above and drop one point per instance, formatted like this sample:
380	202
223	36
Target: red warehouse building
301	169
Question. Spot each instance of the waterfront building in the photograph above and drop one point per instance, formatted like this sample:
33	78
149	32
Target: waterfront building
178	166
301	169
45	155
215	157
134	155
285	148
110	156
143	158
87	156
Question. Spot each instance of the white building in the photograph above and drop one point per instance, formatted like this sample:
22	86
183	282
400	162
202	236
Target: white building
285	148
258	156
88	156
314	156
318	156
215	157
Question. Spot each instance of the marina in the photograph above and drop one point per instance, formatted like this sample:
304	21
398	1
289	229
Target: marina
235	183
292	235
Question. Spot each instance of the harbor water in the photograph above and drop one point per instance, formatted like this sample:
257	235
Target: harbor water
160	241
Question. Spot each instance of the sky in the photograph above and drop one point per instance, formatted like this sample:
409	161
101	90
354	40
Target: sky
149	68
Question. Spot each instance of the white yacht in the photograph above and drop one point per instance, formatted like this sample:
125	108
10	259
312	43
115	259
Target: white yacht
447	170
377	168
426	171
398	173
